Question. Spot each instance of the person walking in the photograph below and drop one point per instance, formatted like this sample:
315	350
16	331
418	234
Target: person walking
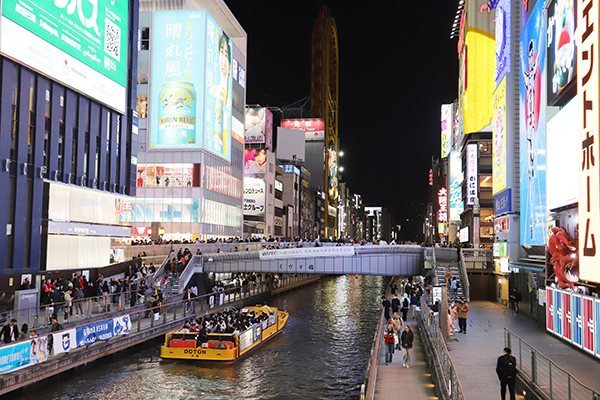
389	344
454	287
463	309
506	368
406	340
405	307
398	327
385	303
395	304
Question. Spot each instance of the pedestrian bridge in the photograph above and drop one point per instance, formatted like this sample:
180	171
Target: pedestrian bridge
382	260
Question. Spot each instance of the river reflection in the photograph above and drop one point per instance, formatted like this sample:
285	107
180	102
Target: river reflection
321	354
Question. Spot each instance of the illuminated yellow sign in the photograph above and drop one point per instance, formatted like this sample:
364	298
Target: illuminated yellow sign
499	144
478	80
589	174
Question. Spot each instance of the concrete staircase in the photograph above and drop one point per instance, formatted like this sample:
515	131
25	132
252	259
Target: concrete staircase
441	278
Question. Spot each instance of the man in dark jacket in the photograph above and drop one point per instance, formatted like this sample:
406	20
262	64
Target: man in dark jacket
385	303
506	368
10	332
395	304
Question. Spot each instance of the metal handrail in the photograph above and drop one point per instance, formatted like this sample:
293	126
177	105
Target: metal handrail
482	255
162	267
555	382
447	379
188	272
465	279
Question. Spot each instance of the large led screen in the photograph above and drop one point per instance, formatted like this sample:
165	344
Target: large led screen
562	47
259	126
562	163
532	124
82	44
332	173
255	162
499	143
191	83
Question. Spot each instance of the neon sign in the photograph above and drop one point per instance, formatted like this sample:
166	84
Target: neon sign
443	205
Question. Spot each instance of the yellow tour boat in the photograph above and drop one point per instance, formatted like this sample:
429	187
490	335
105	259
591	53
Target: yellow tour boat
186	345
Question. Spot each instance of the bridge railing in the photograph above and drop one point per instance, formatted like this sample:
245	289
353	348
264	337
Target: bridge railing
367	390
542	373
477	255
438	356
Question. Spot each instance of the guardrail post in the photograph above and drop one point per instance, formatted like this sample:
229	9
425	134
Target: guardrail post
152	312
139	322
533	367
569	385
550	378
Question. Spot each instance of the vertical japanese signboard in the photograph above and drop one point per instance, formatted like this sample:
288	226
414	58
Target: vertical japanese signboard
558	312
456	179
587	93
532	125
499	143
503	40
442	205
471	173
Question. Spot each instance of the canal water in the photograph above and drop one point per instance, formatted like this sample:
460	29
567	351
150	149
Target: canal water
322	353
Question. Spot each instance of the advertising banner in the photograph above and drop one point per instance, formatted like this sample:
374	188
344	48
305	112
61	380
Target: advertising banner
237	130
562	47
82	44
314	128
499	142
121	325
332	173
562	163
443	205
550	309
256	125
589	166
588	324
577	315
255	162
218	90
254	196
532	124
446	129
23	354
93	333
456	179
471	173
177	106
558	312
339	251
503	40
64	341
567	316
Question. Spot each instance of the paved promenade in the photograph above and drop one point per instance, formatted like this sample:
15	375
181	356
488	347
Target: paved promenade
397	382
474	354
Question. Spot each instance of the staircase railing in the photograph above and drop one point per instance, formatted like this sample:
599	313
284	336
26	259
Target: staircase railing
193	266
464	279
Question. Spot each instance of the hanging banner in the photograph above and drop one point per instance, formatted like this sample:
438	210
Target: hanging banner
567	316
95	332
577	320
64	341
340	251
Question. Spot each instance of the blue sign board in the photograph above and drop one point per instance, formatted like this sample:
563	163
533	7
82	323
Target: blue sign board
14	357
503	202
503	40
92	333
577	321
558	313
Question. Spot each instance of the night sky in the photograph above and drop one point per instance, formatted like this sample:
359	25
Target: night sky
397	67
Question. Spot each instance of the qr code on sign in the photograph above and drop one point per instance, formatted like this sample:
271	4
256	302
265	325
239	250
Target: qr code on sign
112	39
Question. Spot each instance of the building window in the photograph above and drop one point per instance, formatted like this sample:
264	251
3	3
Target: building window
142	106
145	39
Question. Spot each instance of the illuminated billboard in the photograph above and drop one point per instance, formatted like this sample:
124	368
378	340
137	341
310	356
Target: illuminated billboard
314	128
237	130
254	196
255	162
471	173
259	126
456	179
191	81
589	165
562	47
443	205
82	44
446	129
503	40
499	143
332	173
532	126
562	161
